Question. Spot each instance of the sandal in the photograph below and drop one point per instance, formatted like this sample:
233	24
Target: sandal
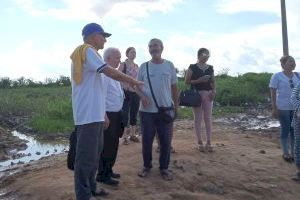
166	175
287	158
144	172
209	148
134	138
125	141
100	192
201	148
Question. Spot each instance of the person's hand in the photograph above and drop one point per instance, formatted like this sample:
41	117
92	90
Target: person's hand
136	84
212	95
203	79
275	113
106	122
145	101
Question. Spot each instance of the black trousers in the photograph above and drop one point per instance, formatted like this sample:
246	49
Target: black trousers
130	108
111	145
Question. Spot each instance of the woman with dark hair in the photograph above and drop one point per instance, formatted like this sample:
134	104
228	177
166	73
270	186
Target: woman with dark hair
132	100
201	78
281	86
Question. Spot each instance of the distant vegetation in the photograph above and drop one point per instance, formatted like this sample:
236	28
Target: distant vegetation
48	104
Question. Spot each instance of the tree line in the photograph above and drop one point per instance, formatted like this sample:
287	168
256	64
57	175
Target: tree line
6	82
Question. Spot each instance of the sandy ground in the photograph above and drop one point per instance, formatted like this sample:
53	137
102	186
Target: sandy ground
244	166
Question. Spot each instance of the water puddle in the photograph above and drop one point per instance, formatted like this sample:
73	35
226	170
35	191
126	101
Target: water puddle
250	122
35	151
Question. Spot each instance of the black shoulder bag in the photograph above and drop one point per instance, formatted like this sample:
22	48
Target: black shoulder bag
190	97
166	114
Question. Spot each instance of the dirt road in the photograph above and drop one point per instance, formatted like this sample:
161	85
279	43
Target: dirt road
244	166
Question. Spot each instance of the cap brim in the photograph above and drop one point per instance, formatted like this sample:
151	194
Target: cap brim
106	34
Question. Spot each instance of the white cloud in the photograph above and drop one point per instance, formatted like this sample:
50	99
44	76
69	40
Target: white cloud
30	61
254	50
238	6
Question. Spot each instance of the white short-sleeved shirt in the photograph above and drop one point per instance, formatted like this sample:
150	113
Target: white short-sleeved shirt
88	97
114	95
281	83
162	76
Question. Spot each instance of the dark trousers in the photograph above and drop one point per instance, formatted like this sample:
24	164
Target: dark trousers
151	124
111	145
130	107
88	150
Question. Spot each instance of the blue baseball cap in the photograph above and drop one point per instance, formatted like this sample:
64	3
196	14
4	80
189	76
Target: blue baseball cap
93	28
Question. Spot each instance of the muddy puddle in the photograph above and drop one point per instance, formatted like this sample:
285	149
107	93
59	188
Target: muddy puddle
35	150
250	122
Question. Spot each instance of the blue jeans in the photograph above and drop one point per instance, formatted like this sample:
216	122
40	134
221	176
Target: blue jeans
286	131
297	141
151	124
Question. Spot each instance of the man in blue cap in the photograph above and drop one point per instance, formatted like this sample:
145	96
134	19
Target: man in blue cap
88	103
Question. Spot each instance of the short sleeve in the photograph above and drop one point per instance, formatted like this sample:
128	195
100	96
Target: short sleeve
94	62
274	81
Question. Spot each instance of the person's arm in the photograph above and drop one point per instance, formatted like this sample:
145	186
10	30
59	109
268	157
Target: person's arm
121	67
188	80
174	91
295	97
213	90
106	122
119	76
144	99
273	101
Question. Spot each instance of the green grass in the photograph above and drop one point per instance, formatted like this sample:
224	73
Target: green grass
49	108
50	111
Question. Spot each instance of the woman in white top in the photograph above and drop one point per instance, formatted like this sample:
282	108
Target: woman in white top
281	86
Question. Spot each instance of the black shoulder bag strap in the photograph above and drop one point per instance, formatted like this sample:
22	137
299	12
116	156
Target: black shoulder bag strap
147	68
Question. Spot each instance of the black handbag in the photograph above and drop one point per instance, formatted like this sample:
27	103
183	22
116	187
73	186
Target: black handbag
190	98
166	114
72	150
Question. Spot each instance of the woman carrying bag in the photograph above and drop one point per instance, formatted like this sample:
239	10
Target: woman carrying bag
201	78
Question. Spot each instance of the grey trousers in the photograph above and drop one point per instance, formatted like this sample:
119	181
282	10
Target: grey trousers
88	150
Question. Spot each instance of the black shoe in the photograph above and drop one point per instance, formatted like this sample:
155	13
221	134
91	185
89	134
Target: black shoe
100	192
111	182
115	175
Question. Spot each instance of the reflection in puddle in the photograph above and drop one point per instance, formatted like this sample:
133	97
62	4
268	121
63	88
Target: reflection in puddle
35	150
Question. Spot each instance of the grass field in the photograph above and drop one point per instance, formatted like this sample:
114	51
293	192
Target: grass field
50	110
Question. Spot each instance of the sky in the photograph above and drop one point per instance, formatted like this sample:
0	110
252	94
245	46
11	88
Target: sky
38	36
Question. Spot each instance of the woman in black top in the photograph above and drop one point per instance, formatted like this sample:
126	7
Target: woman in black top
201	77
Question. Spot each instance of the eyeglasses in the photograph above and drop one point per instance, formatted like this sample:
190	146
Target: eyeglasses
291	83
205	54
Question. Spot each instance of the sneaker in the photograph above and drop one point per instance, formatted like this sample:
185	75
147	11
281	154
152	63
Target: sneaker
144	172
111	182
166	175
